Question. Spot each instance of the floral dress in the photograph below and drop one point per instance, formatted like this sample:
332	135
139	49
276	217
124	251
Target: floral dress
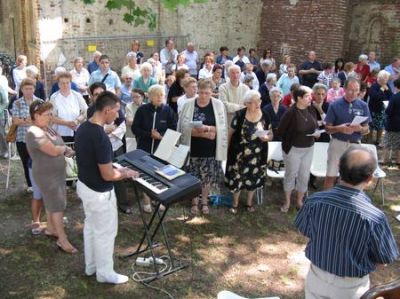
246	169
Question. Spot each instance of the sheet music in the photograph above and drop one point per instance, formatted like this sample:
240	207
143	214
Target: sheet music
179	155
167	145
358	120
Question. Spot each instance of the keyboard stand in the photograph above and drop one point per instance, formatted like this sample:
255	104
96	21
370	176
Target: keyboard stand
151	229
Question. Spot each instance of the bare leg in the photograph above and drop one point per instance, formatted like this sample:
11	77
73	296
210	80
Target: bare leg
300	198
286	204
329	182
205	190
50	229
36	209
146	203
235	203
195	206
250	196
57	219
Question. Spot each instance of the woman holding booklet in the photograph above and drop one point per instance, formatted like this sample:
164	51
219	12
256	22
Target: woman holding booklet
203	125
248	150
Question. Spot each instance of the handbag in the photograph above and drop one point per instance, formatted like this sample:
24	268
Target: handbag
12	134
276	165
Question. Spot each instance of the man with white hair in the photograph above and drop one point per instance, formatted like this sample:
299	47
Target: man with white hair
94	65
191	59
232	93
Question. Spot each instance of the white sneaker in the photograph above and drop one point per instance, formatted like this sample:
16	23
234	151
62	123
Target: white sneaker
29	190
114	279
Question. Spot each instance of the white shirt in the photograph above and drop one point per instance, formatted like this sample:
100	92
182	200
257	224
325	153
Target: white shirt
255	83
81	78
134	72
67	108
205	73
18	76
244	59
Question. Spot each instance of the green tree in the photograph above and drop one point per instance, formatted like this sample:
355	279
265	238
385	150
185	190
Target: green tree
137	15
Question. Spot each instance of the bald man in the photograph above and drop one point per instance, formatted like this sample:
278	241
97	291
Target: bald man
348	236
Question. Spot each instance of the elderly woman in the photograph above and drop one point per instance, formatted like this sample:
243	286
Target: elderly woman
296	128
208	143
391	140
19	73
362	67
321	106
190	87
21	118
56	87
150	123
69	108
274	111
47	150
378	93
131	66
126	90
32	72
248	150
265	88
81	76
145	80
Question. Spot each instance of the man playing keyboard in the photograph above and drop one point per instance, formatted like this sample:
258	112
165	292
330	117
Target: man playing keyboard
95	188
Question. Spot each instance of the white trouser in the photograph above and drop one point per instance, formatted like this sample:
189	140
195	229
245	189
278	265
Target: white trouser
297	168
320	284
100	230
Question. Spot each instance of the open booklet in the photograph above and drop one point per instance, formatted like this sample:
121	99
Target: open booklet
168	150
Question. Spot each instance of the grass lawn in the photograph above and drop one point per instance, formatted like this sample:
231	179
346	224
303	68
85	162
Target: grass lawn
255	255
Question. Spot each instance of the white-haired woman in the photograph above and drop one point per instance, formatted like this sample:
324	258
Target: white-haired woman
208	143
378	93
270	82
145	80
32	72
248	150
132	66
275	111
296	127
362	68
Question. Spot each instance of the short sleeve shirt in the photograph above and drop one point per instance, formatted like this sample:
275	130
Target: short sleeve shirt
342	112
93	147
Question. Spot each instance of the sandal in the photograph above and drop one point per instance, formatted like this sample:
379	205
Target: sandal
49	234
234	210
204	209
71	250
36	229
147	209
195	209
250	208
284	209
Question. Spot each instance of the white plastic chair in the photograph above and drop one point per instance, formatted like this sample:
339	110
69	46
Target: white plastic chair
230	295
320	158
379	174
275	153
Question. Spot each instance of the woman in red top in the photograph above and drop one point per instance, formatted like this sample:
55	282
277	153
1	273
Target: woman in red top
362	68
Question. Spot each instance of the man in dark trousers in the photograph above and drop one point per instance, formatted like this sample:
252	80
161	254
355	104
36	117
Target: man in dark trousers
348	236
96	175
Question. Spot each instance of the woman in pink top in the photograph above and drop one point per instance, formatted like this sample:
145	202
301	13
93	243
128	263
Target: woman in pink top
335	92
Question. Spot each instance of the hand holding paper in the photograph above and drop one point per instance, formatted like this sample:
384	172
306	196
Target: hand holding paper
317	133
358	120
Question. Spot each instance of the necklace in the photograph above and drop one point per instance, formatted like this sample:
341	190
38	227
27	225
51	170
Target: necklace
302	114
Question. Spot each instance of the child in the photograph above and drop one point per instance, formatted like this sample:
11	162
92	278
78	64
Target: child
326	76
335	92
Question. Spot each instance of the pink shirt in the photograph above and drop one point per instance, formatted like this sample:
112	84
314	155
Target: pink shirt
334	94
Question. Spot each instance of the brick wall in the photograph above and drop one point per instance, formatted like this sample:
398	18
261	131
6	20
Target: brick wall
296	27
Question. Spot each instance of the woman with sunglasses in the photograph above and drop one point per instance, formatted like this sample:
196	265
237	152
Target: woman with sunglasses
47	151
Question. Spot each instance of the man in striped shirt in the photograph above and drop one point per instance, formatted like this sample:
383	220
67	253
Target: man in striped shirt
348	237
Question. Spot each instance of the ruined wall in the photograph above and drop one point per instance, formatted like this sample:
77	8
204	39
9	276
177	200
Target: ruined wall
375	26
297	26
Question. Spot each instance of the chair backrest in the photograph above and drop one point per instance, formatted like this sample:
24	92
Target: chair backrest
390	290
372	149
320	157
275	151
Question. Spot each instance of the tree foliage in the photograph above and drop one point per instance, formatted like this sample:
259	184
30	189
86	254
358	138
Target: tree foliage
137	15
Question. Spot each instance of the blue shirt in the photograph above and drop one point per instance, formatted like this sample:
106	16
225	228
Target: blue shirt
347	235
92	66
342	112
112	81
392	72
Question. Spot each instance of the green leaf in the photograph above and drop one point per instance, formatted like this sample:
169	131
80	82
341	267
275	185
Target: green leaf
128	18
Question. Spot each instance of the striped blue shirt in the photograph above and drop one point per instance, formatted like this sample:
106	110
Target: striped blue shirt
347	235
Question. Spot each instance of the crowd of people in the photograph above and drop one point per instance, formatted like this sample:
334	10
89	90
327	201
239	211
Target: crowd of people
242	103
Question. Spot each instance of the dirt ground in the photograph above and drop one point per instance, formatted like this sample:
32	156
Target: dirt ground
254	255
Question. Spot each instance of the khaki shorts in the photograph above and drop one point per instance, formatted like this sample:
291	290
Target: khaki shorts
335	151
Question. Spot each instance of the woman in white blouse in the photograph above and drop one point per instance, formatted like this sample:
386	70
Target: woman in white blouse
69	108
81	77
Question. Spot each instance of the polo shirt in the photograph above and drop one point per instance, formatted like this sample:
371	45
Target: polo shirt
310	79
347	235
342	112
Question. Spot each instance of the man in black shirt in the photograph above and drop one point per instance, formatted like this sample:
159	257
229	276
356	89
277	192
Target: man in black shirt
94	157
309	70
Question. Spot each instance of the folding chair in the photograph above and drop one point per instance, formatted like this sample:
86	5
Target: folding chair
319	164
390	290
379	174
275	153
231	295
71	178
